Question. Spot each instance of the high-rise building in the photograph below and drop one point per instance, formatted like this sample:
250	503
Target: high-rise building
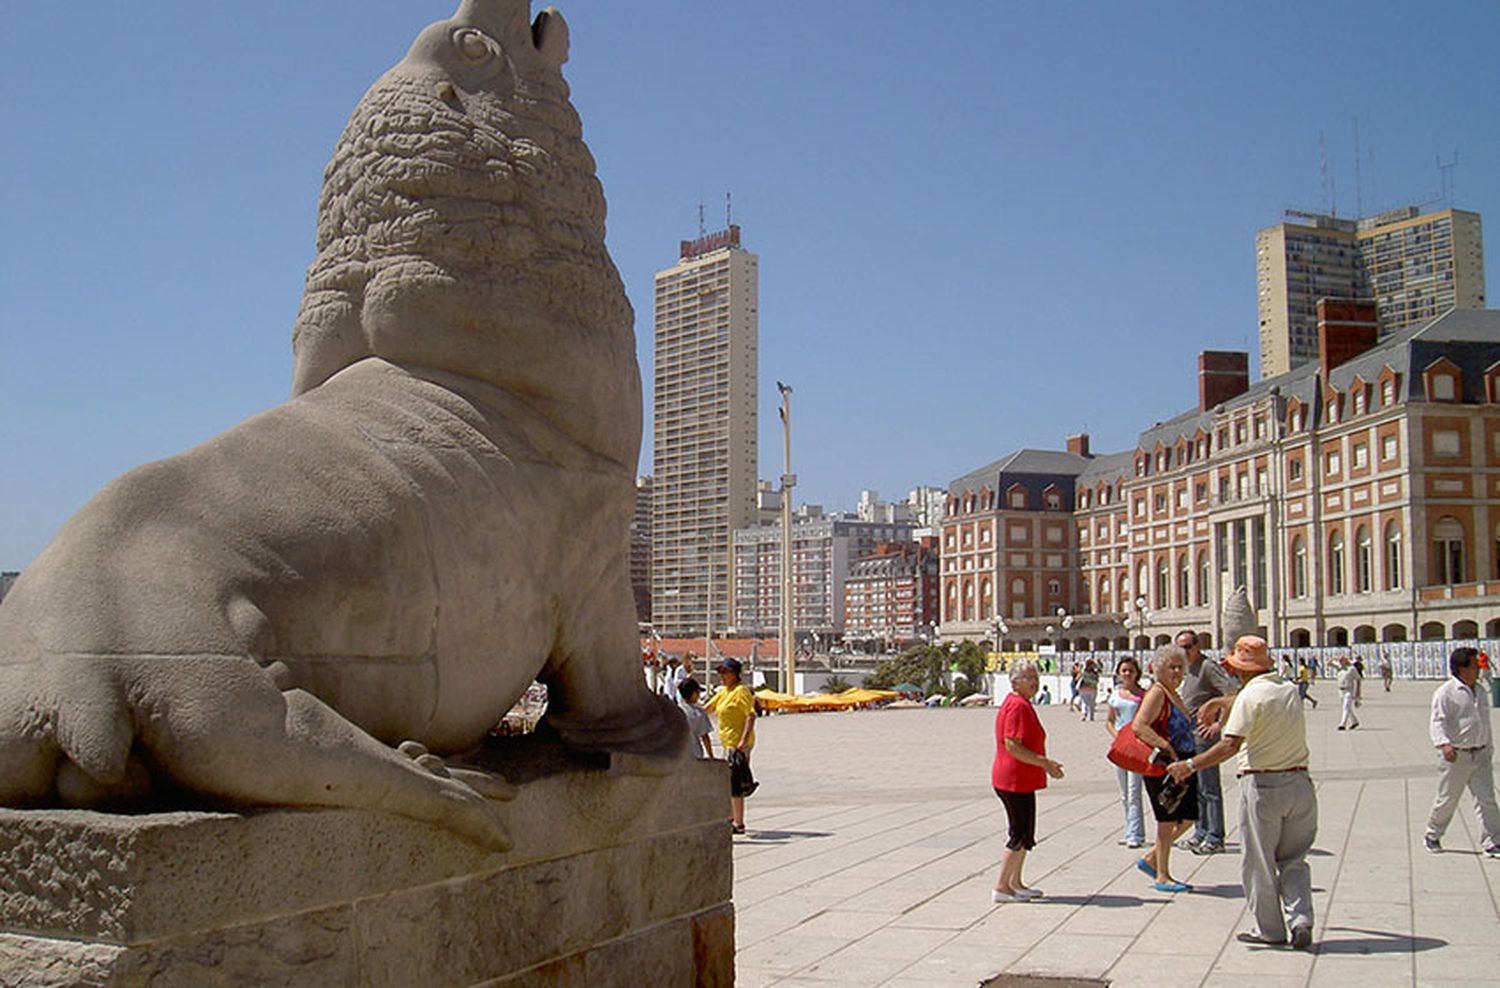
704	428
1415	265
640	550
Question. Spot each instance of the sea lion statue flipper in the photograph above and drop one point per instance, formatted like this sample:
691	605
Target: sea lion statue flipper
437	517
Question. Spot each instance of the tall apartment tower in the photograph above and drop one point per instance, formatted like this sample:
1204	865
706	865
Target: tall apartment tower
1415	265
704	429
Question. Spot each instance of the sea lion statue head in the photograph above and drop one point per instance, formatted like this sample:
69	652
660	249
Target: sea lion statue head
461	229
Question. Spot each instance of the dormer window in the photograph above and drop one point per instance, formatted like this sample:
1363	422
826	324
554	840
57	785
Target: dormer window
1388	392
1443	387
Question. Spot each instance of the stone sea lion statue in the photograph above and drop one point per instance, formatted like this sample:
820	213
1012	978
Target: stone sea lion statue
437	517
1237	619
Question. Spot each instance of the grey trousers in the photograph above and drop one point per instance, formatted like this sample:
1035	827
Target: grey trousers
1472	770
1278	822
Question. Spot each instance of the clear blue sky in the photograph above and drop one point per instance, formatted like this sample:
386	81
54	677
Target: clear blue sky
982	225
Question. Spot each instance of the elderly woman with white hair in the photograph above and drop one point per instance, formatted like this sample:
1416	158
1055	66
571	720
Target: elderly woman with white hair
1021	767
1162	722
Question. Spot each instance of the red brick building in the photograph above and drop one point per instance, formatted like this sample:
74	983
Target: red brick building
1356	499
891	595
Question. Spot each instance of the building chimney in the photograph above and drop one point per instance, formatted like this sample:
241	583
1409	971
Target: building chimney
1222	375
1347	327
1079	445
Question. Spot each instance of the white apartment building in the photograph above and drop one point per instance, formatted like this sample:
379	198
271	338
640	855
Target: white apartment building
704	428
823	549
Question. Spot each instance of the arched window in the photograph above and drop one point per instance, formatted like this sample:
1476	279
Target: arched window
1448	551
1299	567
1142	581
1104	600
1162	584
968	600
1203	579
1336	563
1392	556
1184	581
1364	561
951	608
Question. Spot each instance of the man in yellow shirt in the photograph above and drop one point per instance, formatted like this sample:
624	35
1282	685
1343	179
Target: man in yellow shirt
1278	807
734	705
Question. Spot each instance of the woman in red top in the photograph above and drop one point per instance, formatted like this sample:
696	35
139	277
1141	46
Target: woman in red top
1021	768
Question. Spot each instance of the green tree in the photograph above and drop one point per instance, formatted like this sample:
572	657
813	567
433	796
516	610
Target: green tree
836	684
935	668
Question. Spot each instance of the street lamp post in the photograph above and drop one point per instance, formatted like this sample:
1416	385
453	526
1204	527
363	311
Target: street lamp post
788	481
1142	619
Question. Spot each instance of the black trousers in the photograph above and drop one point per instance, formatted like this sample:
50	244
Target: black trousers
1020	809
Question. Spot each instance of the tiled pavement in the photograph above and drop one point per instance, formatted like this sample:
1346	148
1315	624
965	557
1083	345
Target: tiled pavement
874	841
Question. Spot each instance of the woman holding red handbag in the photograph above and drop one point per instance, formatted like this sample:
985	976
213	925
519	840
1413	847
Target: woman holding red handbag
1163	723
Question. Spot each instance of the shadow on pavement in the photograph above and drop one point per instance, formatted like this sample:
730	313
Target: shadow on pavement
1235	891
782	836
1375	942
1106	900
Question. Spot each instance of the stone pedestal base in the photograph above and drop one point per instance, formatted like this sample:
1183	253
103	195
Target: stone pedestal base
617	878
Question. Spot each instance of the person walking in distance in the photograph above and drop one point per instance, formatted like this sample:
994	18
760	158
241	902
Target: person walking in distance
1203	681
1461	732
1349	693
1385	671
1304	683
1278	806
1088	688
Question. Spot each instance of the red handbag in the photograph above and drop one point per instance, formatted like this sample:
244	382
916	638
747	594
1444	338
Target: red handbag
1134	755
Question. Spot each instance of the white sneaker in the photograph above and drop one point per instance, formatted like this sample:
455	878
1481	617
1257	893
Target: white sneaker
1029	893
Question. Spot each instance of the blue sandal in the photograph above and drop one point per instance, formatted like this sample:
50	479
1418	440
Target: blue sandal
1172	887
1143	865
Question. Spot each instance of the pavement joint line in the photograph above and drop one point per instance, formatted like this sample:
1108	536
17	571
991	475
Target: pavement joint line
1124	871
1411	879
813	879
979	812
935	935
1342	857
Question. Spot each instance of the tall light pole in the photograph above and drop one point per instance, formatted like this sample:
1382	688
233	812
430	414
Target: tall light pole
788	481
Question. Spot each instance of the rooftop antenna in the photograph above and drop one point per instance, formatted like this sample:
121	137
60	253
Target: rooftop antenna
1359	187
1330	193
728	211
702	229
1445	169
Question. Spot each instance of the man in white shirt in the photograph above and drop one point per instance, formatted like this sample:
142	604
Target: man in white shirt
1461	733
1349	693
1278	807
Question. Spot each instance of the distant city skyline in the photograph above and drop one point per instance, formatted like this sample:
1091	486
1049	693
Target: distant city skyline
1026	225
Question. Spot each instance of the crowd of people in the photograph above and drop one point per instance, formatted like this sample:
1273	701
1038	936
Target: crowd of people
1192	714
1196	714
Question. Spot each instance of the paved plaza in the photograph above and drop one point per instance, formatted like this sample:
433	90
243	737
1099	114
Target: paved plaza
874	842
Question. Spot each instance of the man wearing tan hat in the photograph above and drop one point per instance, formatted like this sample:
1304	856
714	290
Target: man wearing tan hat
1278	808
